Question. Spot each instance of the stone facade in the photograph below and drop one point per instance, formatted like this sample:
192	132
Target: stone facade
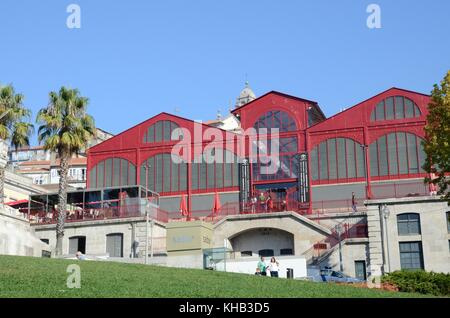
385	237
17	237
132	229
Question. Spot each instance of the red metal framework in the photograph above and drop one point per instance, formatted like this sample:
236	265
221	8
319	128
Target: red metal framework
136	144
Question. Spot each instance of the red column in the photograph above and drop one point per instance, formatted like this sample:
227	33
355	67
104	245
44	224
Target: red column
367	159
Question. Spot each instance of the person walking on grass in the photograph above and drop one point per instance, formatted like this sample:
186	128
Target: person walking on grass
262	266
274	267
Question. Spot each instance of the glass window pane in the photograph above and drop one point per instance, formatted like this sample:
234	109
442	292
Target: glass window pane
183	176
93	178
332	172
132	174
417	112
174	176
314	164
373	155
124	172
351	159
167	163
202	175
361	169
409	108
412	153
276	120
211	175
108	173
342	162
158	131
382	149
392	150
235	171
228	177
323	157
101	174
284	121
166	130
151	134
116	172
401	142
151	173
421	154
380	111
399	108
389	108
194	176
159	173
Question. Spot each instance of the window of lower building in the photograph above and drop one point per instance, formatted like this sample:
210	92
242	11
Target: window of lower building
286	251
411	256
77	244
46	241
246	253
266	253
114	245
408	224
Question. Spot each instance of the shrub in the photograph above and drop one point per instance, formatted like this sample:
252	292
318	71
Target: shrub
420	282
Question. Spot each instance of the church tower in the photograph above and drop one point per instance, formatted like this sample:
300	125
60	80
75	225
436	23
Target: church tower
246	96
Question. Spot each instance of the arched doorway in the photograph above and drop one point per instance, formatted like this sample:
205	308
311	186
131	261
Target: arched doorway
263	242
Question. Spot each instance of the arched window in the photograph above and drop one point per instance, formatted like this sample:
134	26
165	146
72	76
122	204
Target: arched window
161	131
286	165
164	175
397	107
408	224
337	158
112	172
276	119
215	174
396	153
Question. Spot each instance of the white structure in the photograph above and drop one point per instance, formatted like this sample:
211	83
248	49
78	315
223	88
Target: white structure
248	265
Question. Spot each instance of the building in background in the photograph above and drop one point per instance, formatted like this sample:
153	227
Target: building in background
42	166
334	178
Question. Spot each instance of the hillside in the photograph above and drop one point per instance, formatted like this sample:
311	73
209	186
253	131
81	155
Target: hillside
42	277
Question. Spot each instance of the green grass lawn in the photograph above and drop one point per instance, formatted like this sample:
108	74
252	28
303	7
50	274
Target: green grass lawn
41	277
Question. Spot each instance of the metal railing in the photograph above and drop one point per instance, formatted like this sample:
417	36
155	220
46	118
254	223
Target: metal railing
93	214
399	190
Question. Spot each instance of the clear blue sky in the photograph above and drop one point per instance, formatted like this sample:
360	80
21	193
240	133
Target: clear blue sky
134	59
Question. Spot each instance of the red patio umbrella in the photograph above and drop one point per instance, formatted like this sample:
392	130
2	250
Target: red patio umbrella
216	205
183	206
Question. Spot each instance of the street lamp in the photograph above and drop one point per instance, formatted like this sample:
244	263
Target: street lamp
386	213
338	229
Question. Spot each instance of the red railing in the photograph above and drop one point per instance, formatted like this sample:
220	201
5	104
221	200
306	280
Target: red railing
92	214
336	206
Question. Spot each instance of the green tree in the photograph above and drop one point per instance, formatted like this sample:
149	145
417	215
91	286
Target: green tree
13	126
437	140
65	128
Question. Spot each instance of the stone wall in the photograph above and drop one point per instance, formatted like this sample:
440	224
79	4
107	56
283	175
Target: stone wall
17	237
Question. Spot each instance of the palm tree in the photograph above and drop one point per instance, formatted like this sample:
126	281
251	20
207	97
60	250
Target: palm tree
65	128
12	124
